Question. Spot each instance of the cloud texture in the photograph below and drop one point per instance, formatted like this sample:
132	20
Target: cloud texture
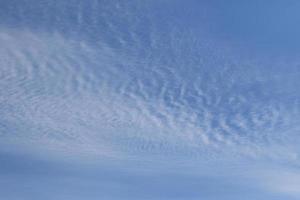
142	80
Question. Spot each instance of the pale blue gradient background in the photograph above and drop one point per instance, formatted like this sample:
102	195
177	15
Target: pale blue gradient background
149	99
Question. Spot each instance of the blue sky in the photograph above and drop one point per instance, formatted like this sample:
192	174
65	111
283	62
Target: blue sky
149	99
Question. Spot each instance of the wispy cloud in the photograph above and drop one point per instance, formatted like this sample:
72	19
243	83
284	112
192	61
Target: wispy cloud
64	91
149	82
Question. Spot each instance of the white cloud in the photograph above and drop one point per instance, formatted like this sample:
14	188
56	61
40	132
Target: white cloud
69	93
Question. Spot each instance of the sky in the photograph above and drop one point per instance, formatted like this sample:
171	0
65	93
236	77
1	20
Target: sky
154	100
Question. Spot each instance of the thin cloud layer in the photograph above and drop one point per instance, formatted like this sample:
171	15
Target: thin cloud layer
142	81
